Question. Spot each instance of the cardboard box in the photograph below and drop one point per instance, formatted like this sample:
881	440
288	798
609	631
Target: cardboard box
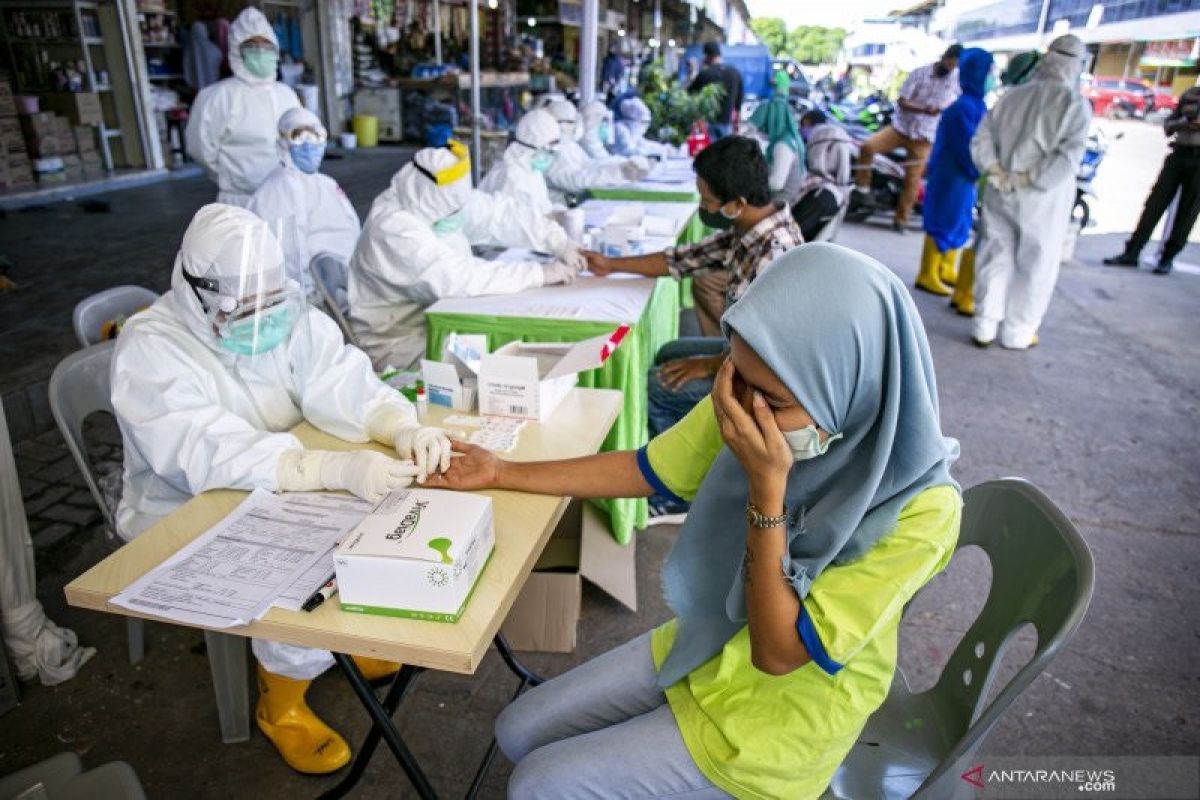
8	106
528	380
545	615
453	382
39	124
81	108
48	145
418	555
85	138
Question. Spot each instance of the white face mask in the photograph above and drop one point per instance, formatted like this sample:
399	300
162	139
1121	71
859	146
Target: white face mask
806	443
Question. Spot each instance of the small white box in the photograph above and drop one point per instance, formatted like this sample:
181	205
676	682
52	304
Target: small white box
418	555
452	382
528	380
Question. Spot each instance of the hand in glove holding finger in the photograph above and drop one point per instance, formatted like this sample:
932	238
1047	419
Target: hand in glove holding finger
429	448
364	473
635	168
572	255
559	273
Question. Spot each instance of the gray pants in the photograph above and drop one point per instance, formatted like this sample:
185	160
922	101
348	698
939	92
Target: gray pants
602	730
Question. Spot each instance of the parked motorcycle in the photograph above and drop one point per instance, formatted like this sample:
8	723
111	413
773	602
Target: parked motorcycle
1093	156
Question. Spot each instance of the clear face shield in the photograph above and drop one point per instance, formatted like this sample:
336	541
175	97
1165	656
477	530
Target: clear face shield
256	309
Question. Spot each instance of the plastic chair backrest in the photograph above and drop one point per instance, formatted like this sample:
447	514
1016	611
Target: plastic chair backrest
329	276
1043	574
120	301
79	387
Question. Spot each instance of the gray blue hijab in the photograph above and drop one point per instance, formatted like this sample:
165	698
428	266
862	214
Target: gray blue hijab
841	332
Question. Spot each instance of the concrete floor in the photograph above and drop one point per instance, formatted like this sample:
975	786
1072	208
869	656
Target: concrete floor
1101	416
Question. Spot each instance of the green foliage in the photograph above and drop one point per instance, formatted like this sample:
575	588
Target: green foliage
808	44
672	109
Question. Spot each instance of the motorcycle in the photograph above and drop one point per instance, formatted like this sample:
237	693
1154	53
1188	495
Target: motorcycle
872	114
1093	156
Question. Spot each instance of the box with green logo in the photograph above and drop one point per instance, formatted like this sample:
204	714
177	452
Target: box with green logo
419	555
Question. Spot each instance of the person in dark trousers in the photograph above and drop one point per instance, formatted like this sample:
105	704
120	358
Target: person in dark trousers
1180	173
730	79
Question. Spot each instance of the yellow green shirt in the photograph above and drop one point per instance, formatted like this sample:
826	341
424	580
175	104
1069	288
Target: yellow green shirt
761	736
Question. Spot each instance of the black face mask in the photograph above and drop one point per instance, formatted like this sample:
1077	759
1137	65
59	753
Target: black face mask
715	219
941	69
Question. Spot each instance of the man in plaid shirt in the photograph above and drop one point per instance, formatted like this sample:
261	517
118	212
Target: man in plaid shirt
735	198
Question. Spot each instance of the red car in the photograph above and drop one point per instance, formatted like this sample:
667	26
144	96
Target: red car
1119	98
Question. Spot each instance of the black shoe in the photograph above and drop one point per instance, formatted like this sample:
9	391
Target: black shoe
1123	260
1164	267
899	227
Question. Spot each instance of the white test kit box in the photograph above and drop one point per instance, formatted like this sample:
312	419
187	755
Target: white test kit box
453	382
528	380
418	555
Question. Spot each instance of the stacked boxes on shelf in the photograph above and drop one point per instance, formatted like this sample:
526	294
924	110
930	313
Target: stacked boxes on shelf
15	172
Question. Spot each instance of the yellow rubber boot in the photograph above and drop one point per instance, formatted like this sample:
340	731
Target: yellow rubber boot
374	669
963	299
306	743
948	268
928	278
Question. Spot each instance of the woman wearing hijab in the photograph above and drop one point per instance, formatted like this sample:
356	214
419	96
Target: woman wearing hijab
201	58
821	503
785	148
826	189
949	209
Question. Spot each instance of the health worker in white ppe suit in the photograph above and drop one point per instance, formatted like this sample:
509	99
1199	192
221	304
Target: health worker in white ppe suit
308	212
597	129
416	248
520	174
574	171
206	385
1029	146
633	120
231	129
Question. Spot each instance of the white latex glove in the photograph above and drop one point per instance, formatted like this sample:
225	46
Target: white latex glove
559	273
572	255
1001	181
429	449
1020	180
364	473
635	168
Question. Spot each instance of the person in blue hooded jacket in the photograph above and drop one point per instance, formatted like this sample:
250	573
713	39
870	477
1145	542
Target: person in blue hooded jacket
951	178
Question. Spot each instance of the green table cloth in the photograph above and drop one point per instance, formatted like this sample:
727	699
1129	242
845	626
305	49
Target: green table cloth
626	370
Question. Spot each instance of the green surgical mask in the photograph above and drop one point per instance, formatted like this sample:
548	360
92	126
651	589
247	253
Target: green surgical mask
604	131
245	339
542	160
989	84
450	224
260	62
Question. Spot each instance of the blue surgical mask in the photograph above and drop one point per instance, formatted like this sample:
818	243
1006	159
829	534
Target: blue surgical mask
273	328
260	62
806	443
542	160
450	224
307	157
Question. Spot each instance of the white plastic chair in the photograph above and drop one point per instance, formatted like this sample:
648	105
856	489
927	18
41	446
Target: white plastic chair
79	387
1042	574
329	277
120	301
61	777
830	230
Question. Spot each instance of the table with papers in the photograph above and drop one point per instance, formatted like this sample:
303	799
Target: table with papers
523	524
589	307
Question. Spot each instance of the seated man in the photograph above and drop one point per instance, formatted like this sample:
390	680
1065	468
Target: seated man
575	171
206	385
731	177
308	212
416	248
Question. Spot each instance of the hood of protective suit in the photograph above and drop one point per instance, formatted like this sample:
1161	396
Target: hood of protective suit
249	24
291	120
634	109
1064	60
973	67
592	114
414	192
224	241
567	117
539	130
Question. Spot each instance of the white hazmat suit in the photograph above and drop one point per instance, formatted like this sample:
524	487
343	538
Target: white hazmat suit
1029	146
409	255
574	171
631	127
196	416
309	212
597	121
231	129
519	174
